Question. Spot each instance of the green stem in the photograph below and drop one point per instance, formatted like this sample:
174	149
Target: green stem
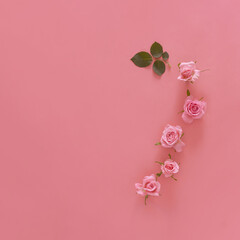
173	178
205	70
158	175
145	201
167	63
181	112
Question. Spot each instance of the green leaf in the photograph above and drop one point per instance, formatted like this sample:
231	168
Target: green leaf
159	162
142	59
178	65
170	156
182	135
158	143
156	50
181	112
159	174
159	67
188	92
165	56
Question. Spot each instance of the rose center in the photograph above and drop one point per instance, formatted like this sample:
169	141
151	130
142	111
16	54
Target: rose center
150	186
169	167
171	136
194	108
187	73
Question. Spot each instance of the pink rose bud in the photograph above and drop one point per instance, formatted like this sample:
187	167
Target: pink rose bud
169	168
193	109
149	186
188	72
171	138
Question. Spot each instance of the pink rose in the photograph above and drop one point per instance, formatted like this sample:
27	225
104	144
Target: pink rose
188	72
169	167
193	109
171	138
149	187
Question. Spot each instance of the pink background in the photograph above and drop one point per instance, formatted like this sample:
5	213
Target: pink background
79	121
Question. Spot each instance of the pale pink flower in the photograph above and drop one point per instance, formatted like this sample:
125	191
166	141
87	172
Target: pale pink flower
169	167
193	109
171	138
149	186
188	72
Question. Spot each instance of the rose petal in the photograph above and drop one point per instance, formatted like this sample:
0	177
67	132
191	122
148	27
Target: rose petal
182	79
156	194
200	115
176	169
148	179
138	186
164	144
190	64
186	118
189	99
140	192
196	75
158	186
179	129
178	147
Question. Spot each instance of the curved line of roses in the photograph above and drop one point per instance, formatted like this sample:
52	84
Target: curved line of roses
172	135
